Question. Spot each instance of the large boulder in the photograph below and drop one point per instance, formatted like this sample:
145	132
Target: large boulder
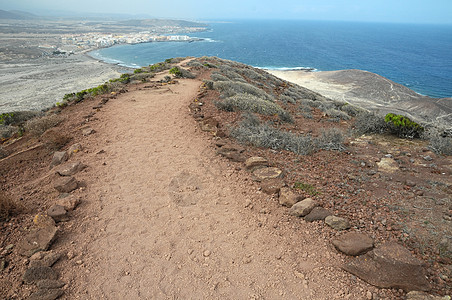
390	266
353	243
302	208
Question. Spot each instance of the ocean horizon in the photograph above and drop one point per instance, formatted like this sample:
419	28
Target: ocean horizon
417	56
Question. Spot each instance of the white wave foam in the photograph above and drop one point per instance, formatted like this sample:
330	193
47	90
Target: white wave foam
309	69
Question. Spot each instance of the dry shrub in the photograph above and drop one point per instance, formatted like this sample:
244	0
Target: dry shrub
55	140
38	126
8	207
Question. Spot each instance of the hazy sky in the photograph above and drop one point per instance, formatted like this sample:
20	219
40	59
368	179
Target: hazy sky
411	11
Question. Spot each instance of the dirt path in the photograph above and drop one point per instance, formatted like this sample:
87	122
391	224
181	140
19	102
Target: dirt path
165	218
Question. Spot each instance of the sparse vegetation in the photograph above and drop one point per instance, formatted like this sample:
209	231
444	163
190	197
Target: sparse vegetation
38	126
231	88
368	122
440	144
251	103
181	73
330	139
308	188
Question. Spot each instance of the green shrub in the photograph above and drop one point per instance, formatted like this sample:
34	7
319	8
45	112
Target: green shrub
402	126
137	71
181	73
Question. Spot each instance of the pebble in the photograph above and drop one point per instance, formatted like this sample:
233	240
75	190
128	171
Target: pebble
369	295
207	253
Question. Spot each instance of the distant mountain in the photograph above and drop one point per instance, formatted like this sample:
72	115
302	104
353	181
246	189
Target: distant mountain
17	15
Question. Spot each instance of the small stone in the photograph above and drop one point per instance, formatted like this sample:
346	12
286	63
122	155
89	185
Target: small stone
74	149
58	158
70	255
88	131
49	284
66	184
266	173
69	203
2	264
428	158
388	165
410	183
369	295
288	198
46	294
337	223
38	240
43	221
206	253
70	169
58	213
353	243
318	214
34	274
302	208
48	259
255	162
272	186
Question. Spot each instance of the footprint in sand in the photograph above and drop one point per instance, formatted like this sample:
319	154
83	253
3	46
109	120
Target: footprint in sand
184	189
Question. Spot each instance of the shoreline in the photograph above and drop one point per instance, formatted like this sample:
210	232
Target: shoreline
373	92
37	84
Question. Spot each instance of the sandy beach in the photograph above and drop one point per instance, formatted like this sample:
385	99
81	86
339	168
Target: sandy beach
36	84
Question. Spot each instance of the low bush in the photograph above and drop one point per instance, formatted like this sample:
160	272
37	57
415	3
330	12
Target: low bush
8	207
218	77
17	117
251	103
403	127
350	109
7	131
331	139
231	88
181	73
438	143
368	122
252	132
334	113
38	126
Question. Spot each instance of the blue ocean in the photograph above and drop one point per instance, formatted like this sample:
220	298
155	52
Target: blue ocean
417	56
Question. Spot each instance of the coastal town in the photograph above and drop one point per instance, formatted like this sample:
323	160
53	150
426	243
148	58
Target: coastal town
100	40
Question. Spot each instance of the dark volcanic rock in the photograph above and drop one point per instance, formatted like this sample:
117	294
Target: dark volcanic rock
66	184
390	266
34	274
318	214
353	243
46	294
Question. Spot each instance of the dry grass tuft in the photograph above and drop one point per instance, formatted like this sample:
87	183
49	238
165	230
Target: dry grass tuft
38	126
8	207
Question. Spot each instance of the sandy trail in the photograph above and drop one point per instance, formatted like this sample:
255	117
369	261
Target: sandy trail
164	217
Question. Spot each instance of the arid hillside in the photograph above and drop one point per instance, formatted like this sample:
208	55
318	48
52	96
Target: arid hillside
209	179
